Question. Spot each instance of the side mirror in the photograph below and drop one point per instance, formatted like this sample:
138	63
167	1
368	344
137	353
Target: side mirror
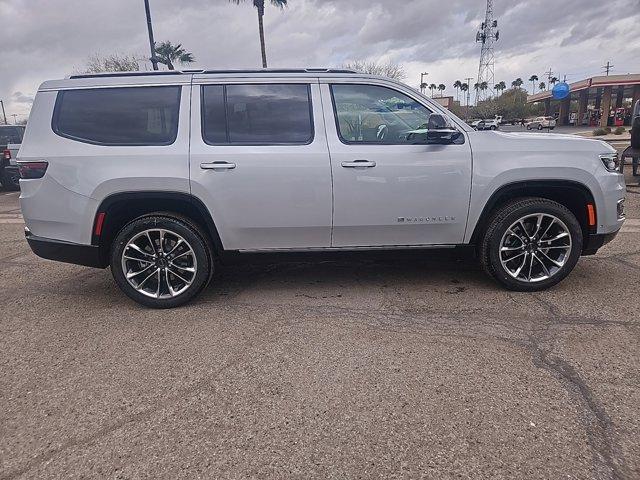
440	130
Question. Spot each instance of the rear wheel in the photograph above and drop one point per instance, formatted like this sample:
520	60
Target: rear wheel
161	261
531	244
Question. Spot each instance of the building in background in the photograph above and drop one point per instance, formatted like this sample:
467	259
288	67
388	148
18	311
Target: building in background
596	101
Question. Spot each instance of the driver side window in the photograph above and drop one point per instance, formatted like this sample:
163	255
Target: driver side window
378	115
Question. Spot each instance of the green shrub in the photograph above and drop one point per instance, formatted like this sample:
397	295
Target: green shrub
619	131
599	131
607	129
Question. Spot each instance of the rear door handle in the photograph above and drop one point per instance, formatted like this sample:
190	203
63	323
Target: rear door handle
218	166
359	164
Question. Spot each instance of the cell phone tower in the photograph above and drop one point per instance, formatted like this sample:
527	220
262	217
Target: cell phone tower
488	35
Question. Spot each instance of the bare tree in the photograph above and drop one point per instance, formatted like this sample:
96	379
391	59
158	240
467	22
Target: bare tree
112	63
390	70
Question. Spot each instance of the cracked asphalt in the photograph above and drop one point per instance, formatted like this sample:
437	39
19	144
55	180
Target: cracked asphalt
387	367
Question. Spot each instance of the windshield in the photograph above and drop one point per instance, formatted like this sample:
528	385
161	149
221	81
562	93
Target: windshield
11	134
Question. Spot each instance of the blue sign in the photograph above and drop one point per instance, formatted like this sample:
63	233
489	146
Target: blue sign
561	90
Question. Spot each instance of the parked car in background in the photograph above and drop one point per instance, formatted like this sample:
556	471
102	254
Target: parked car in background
487	124
163	175
10	135
540	123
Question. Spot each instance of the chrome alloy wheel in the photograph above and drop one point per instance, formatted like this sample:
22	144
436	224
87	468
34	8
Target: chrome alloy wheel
535	247
159	263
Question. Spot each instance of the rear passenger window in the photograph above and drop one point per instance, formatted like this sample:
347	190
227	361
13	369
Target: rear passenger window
123	116
273	114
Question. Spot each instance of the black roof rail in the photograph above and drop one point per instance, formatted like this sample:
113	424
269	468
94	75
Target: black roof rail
187	72
284	70
128	74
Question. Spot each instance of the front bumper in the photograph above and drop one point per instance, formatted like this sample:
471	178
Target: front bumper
592	243
87	255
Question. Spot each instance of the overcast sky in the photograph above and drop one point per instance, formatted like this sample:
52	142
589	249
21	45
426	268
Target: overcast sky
44	39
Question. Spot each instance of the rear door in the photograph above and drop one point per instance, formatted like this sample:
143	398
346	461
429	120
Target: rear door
392	188
259	161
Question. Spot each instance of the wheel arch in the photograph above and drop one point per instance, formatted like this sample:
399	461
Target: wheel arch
573	195
123	207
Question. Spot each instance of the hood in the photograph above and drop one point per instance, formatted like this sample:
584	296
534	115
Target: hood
526	141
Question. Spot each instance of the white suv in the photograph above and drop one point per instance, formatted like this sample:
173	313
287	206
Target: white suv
541	122
160	175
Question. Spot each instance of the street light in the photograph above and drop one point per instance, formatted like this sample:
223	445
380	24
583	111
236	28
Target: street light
422	75
152	43
3	113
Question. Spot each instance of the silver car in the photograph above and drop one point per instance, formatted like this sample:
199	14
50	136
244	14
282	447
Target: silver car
163	175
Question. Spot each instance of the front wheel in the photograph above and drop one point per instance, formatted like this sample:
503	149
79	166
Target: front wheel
161	261
540	127
531	244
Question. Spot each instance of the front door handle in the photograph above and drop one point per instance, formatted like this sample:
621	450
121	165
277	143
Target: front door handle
218	166
359	164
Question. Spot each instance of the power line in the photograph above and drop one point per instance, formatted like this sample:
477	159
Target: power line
607	68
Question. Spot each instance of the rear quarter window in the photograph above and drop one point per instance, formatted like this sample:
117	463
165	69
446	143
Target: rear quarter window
121	116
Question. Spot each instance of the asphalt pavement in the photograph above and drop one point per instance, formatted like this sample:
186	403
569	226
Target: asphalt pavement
417	367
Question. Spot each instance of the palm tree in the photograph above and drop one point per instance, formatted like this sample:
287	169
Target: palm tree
457	84
432	87
168	53
533	79
517	83
441	88
500	86
423	87
542	86
259	4
464	87
553	80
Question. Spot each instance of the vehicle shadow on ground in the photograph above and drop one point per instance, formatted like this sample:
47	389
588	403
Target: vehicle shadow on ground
345	274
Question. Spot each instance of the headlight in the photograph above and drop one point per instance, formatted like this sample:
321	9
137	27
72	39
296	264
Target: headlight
611	161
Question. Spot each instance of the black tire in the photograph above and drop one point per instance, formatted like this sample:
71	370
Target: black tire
10	179
176	225
539	126
493	127
528	127
504	217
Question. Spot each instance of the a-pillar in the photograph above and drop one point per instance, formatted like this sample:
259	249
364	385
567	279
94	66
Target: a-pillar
565	104
583	104
606	106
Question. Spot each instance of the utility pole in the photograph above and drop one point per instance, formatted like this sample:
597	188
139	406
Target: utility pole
152	43
549	75
607	68
422	75
468	79
3	112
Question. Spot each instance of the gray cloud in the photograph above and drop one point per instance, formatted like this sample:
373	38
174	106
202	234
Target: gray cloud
43	39
19	97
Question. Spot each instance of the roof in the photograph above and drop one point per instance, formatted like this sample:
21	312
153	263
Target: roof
184	77
592	82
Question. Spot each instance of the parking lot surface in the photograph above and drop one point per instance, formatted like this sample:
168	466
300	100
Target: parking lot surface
403	367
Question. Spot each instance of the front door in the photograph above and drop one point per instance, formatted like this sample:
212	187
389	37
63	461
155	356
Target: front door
260	163
390	186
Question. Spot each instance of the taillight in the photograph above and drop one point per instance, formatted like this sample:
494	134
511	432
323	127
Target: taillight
6	154
30	170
